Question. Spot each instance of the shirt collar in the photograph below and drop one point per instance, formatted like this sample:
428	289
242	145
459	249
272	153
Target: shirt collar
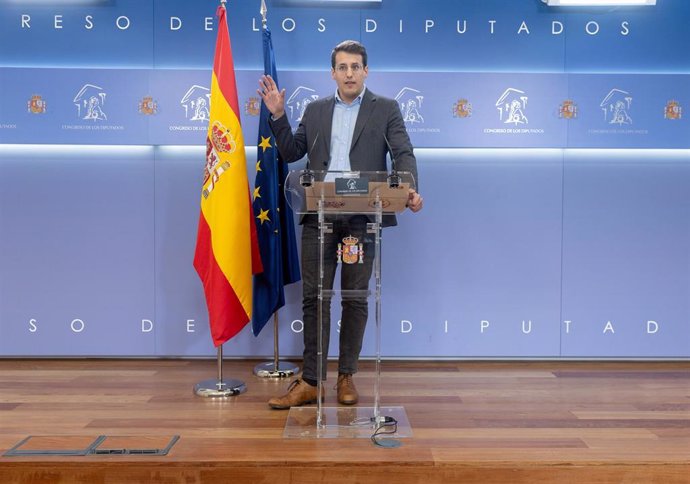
357	100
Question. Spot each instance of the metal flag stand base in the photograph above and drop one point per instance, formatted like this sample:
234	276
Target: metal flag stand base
220	387
276	368
280	369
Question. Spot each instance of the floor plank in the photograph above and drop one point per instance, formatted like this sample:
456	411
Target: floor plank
536	422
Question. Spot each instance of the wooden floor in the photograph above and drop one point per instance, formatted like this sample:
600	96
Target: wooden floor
480	422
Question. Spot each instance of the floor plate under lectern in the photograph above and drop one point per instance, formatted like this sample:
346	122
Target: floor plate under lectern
343	423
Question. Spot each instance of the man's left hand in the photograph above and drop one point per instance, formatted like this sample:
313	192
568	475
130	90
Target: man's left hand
415	201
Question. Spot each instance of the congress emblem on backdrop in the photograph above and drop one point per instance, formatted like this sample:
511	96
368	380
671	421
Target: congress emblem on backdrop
36	105
298	102
567	110
410	102
673	110
148	106
616	107
196	103
511	106
89	102
252	107
462	109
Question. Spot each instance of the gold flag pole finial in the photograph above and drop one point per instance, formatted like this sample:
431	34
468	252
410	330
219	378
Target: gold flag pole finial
263	12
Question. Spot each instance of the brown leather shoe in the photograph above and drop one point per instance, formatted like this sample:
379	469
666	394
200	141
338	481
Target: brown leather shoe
298	393
347	393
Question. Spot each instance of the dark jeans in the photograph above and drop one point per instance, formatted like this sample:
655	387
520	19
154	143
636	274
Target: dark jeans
352	277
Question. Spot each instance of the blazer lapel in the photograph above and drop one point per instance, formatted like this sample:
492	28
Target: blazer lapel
327	123
365	110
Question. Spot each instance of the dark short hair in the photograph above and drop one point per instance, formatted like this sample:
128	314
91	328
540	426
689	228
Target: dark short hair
351	47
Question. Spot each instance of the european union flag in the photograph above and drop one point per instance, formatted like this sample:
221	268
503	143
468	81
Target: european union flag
274	219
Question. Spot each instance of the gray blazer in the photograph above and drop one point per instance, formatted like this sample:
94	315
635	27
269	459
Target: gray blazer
378	116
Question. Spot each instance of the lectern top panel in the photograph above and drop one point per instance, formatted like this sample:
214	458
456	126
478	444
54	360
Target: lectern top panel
348	192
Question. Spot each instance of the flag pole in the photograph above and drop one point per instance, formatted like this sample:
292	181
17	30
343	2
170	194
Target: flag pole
276	368
220	387
273	369
263	11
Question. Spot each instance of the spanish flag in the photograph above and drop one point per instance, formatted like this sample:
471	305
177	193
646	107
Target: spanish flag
227	253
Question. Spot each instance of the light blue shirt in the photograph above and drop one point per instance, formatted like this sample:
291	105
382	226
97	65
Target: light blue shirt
342	129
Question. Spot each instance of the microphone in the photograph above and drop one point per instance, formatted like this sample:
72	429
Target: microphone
393	178
306	179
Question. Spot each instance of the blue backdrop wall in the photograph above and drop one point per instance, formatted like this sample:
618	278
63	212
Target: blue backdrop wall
553	151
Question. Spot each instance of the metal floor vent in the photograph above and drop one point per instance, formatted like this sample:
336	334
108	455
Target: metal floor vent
101	445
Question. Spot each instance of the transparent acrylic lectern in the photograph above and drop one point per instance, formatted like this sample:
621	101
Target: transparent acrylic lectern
342	194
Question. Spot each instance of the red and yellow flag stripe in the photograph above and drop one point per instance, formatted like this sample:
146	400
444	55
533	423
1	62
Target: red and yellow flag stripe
227	253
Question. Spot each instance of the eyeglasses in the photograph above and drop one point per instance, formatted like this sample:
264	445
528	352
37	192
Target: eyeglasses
343	68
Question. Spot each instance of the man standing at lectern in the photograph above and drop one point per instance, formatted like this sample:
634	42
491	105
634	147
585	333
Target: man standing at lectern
351	130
